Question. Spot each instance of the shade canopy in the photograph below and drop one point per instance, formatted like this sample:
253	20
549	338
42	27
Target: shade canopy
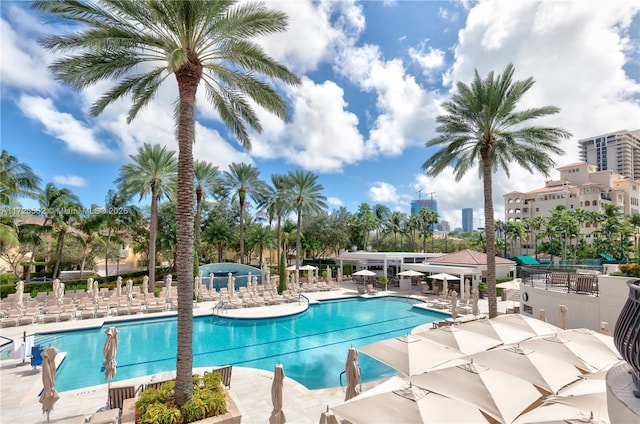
410	273
568	410
443	276
365	273
410	354
498	394
396	401
509	285
458	338
545	371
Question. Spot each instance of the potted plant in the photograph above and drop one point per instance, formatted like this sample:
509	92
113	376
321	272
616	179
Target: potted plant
482	287
384	280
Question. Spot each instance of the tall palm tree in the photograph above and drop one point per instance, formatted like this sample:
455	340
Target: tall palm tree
208	42
208	181
60	208
116	218
242	181
482	126
394	225
381	214
219	232
16	180
306	199
152	173
276	204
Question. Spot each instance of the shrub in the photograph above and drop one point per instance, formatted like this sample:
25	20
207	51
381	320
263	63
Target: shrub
157	405
630	270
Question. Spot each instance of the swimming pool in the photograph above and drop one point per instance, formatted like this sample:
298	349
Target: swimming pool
312	346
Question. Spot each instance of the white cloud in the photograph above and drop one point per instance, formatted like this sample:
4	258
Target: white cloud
322	135
429	61
406	111
63	126
70	180
382	192
575	51
334	202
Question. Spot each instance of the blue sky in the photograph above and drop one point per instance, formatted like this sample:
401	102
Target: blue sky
373	74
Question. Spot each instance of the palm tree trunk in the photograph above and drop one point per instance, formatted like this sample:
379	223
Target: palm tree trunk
241	196
197	219
31	259
153	236
106	256
188	77
59	246
298	241
490	229
279	236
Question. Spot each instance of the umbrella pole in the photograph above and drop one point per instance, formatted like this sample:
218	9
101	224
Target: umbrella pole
108	394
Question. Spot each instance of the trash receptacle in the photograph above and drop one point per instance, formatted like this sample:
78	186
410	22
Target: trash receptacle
36	359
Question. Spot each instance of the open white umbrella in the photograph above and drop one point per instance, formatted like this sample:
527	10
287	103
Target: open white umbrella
410	273
588	350
545	371
443	276
410	354
49	394
496	393
510	330
397	401
509	285
365	273
352	370
277	415
109	352
587	408
458	338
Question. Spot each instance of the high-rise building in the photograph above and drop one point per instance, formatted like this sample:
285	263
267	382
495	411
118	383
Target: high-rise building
617	151
467	220
416	205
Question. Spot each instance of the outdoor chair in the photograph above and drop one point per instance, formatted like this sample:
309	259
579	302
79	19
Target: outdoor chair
117	395
225	374
371	290
111	416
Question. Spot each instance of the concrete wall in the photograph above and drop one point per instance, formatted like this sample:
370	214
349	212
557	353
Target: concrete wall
584	311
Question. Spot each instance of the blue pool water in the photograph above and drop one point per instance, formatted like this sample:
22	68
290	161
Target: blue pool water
312	346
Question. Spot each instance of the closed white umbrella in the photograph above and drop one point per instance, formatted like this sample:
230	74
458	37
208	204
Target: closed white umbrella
96	292
352	370
329	275
475	309
89	286
130	290
19	294
109	352
230	284
211	286
60	293
563	317
167	286
145	285
196	287
119	286
542	315
277	415
454	304
49	394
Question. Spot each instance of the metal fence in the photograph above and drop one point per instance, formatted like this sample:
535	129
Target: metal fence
567	282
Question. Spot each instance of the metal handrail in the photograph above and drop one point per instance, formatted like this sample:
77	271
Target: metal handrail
219	305
626	335
301	296
359	380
